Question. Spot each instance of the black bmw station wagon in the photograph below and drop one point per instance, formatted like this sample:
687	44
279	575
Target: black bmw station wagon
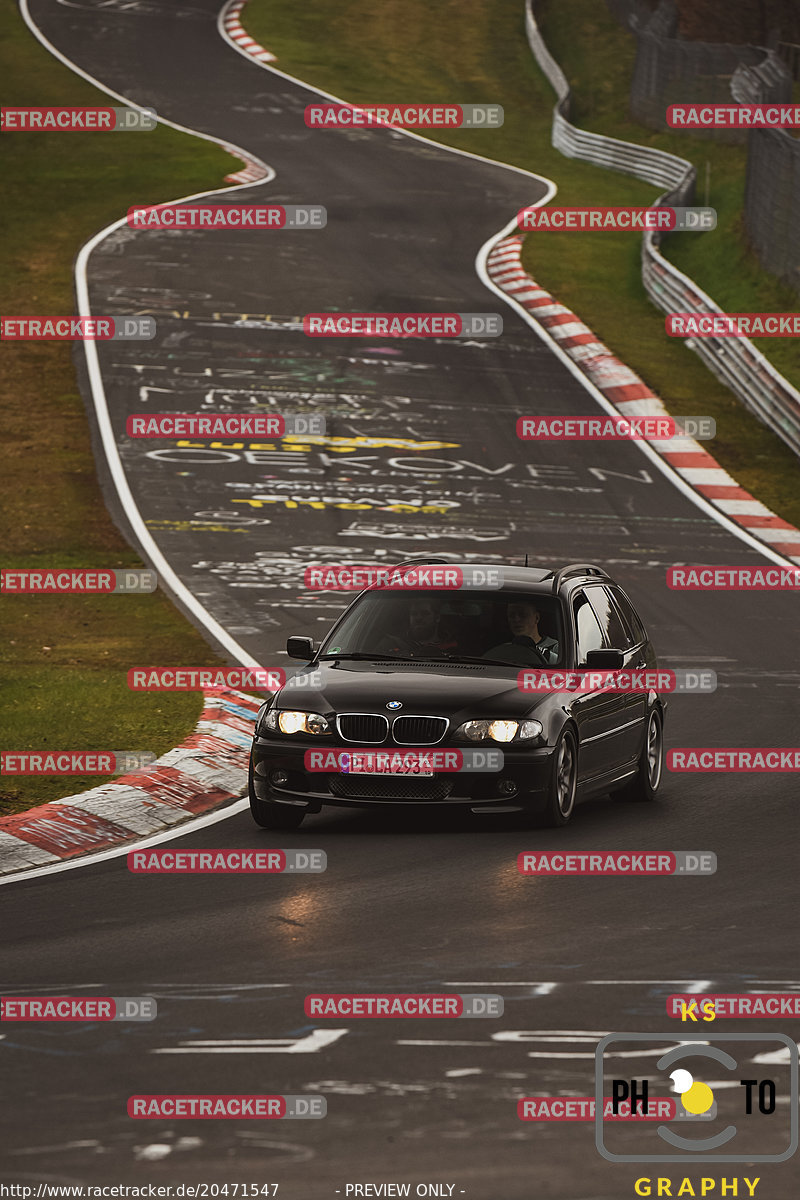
442	672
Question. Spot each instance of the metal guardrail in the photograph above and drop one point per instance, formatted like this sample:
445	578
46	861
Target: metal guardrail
789	52
735	361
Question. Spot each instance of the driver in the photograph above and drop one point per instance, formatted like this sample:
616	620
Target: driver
527	647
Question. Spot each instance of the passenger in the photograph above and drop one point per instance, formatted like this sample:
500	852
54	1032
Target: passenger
425	632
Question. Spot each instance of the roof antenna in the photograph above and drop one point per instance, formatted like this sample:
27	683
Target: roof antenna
526	559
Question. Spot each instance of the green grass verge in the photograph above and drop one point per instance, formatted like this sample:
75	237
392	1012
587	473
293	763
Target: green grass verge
65	658
476	51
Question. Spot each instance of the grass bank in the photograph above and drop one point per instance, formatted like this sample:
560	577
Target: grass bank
65	658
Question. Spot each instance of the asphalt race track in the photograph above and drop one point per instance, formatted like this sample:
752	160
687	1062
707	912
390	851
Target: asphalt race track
407	902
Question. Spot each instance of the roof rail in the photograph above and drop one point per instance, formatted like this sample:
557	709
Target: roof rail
410	562
577	569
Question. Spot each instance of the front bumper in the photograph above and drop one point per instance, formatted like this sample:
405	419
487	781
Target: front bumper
528	769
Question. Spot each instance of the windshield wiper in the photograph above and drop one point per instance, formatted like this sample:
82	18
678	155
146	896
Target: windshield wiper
458	658
360	656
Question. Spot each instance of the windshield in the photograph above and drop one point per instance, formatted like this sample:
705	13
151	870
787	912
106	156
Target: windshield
514	628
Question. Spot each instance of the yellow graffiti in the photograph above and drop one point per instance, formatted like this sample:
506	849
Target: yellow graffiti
349	505
352	443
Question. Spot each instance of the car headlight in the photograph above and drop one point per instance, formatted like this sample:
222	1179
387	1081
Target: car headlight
289	721
499	730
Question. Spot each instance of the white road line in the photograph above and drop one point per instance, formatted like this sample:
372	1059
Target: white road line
220	814
423	1042
310	1044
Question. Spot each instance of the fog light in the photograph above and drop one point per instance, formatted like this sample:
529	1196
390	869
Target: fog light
279	778
507	787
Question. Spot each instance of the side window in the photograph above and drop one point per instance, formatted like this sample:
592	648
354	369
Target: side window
590	635
629	614
614	630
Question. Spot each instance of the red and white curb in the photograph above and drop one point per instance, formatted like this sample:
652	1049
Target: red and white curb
206	771
254	170
626	391
233	27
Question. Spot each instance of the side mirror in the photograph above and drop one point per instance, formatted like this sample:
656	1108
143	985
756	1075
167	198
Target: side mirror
301	647
611	659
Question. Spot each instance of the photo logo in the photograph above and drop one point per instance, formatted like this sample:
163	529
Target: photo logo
727	1111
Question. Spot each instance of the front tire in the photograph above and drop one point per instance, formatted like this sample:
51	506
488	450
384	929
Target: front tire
270	815
563	783
651	762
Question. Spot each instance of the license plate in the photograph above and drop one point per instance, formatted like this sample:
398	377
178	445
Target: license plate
384	765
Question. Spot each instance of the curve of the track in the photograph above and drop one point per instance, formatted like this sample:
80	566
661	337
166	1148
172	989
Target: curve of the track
405	902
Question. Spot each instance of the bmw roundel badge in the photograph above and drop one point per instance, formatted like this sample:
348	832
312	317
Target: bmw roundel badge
394	704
